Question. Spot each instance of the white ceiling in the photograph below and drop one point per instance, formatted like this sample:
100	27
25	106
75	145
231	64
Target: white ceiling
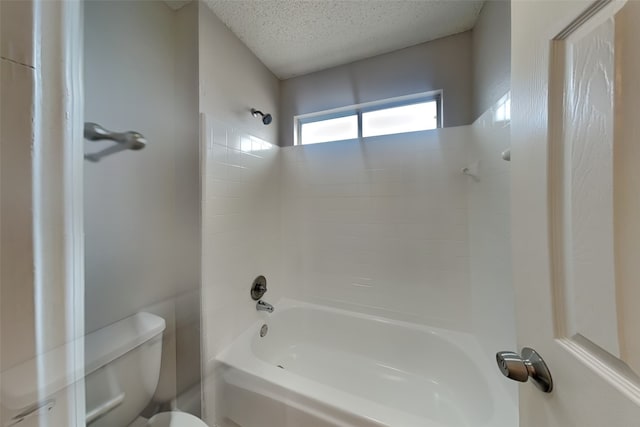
294	37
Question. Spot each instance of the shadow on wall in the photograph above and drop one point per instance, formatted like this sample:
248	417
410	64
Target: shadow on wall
179	385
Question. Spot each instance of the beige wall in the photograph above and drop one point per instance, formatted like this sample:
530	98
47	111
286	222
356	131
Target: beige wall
241	225
40	245
188	304
440	64
233	80
491	47
17	139
17	293
142	208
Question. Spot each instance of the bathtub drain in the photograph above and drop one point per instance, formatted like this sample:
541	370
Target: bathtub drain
263	330
280	366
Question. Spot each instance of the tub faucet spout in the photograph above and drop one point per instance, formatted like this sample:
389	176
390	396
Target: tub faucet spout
264	306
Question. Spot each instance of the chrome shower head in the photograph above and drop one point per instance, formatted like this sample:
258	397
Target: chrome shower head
266	118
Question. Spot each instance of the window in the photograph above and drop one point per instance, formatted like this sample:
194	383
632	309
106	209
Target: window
408	118
329	130
388	117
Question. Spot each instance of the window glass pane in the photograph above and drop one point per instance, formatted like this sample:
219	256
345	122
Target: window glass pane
408	118
329	130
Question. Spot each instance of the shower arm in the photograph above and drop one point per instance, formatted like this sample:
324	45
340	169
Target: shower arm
124	140
266	118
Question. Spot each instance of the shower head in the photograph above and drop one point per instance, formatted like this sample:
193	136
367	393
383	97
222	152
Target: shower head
266	118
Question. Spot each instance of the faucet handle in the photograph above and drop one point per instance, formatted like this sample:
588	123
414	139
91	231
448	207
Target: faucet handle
258	288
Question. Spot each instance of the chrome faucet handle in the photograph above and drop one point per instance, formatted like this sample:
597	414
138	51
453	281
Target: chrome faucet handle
258	288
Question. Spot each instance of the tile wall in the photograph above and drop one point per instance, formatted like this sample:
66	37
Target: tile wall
380	226
241	235
389	226
492	294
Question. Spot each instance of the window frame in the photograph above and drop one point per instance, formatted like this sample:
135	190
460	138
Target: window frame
358	109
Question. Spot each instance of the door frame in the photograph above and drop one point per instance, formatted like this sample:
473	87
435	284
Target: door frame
57	165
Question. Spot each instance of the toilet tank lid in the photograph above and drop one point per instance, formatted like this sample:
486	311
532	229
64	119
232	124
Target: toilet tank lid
109	343
41	377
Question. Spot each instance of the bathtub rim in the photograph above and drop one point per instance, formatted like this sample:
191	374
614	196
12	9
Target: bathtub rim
239	355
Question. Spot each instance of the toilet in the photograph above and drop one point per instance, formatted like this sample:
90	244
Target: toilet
175	419
122	373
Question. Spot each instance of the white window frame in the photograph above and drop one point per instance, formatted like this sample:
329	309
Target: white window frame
366	107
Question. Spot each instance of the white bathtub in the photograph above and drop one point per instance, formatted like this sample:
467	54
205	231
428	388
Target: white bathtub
320	366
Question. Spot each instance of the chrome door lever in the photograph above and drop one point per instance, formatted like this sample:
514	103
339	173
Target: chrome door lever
525	366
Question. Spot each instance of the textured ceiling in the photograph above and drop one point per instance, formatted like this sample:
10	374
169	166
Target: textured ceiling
294	37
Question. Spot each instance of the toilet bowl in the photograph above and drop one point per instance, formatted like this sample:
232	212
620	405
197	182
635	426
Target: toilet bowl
175	419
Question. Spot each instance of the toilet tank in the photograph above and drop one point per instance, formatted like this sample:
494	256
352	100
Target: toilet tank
122	367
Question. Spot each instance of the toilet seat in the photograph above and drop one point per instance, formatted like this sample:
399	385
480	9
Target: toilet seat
175	419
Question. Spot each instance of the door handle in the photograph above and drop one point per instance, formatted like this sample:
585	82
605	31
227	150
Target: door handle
525	366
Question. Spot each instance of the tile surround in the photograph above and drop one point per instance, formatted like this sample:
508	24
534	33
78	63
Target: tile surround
380	226
388	226
489	219
241	229
241	240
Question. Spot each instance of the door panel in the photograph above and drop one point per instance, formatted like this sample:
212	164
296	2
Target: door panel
576	201
583	59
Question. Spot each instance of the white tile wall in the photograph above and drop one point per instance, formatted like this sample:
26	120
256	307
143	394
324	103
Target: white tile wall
380	226
389	226
492	295
241	240
241	230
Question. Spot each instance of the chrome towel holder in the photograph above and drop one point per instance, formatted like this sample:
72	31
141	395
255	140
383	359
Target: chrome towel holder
130	140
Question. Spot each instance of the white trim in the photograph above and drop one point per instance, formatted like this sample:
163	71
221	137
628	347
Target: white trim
73	40
58	192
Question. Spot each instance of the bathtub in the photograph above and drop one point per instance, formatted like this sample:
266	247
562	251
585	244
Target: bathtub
321	366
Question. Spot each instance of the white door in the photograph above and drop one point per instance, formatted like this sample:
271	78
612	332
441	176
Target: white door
576	207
